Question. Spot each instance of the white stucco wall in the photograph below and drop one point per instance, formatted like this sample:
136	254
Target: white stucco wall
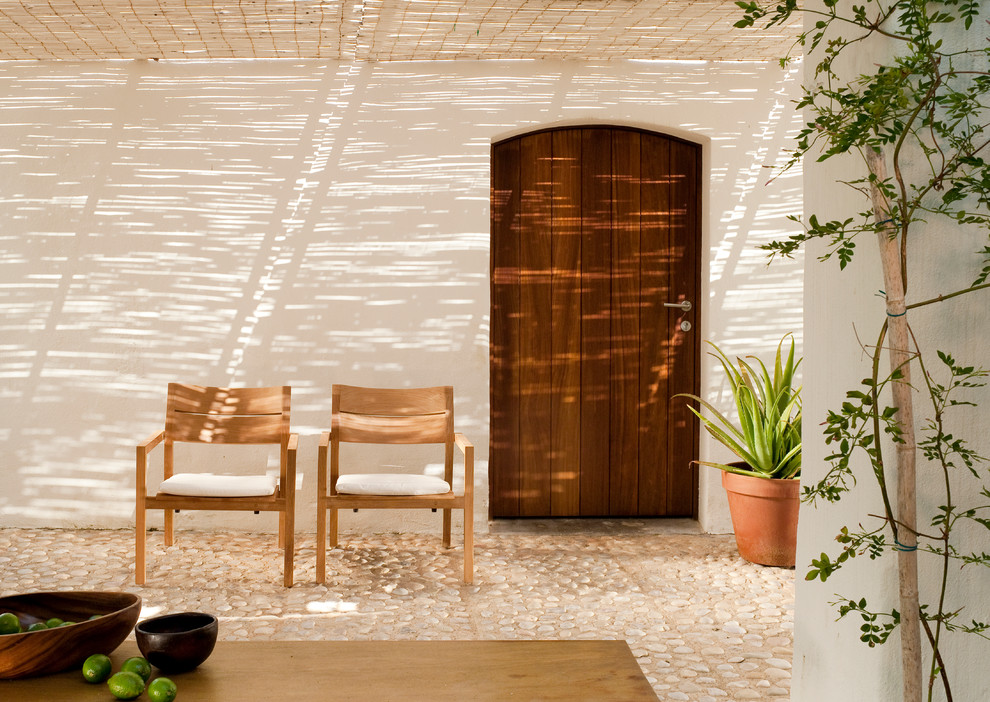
305	223
843	311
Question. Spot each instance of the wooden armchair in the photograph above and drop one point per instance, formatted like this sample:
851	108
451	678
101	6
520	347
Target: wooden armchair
212	415
392	416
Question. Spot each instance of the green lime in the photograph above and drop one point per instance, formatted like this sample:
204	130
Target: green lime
9	623
162	690
38	626
95	616
125	685
137	665
96	668
67	623
54	622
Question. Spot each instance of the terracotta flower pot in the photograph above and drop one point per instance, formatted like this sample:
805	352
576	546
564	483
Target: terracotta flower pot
764	516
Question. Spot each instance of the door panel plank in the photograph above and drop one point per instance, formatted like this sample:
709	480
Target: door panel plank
534	321
625	325
654	324
565	330
504	346
596	245
683	359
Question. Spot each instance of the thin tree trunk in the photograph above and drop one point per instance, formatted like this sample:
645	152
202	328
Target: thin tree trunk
906	514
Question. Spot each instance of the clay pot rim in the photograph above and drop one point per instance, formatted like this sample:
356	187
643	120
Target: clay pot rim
745	466
759	486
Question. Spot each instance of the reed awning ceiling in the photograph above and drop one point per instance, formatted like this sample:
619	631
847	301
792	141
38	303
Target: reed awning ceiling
384	30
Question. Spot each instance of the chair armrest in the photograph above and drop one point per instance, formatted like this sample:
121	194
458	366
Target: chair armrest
463	443
153	440
321	463
141	464
292	448
467	448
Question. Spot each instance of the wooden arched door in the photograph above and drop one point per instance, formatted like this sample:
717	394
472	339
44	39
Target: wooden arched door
593	230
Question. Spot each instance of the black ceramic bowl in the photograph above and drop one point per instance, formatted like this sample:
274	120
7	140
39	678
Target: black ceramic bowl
175	643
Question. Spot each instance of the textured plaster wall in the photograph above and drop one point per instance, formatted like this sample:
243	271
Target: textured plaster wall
306	223
843	311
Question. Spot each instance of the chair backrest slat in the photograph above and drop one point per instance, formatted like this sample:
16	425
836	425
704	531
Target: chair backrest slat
227	415
393	416
210	400
211	429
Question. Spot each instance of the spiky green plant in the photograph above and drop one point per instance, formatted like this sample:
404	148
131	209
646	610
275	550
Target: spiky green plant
767	436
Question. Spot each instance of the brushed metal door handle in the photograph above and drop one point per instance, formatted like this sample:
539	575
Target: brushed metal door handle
686	305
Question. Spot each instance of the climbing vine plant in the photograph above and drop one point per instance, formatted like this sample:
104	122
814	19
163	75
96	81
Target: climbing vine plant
920	125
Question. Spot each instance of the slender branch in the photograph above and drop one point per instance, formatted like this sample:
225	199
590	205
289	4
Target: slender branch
878	463
874	26
938	404
913	531
947	168
906	211
938	657
948	296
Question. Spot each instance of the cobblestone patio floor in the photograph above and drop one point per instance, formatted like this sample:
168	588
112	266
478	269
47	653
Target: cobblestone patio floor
703	624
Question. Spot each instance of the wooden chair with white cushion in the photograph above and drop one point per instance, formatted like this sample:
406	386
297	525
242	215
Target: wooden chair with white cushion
213	415
392	416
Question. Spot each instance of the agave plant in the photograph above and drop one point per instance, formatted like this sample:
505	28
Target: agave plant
767	436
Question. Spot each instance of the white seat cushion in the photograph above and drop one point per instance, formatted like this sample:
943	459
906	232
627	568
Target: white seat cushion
391	484
210	485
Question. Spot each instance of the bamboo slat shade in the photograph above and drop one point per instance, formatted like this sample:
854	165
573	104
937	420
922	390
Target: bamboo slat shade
383	30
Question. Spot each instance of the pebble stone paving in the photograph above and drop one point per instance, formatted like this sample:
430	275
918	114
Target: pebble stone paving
704	624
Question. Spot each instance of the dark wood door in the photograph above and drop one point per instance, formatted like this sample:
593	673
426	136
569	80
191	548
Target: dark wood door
593	230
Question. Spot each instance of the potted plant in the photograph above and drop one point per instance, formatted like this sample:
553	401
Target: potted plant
763	486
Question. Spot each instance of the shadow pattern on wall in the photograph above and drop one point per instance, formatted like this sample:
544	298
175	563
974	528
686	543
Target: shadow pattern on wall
301	223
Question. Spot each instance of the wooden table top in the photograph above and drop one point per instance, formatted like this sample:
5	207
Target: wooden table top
382	671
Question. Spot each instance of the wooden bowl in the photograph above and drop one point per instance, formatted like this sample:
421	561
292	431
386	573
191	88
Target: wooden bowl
54	650
175	643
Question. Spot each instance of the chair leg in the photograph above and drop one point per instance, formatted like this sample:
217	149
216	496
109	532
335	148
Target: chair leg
281	530
321	542
468	545
287	522
446	528
332	525
140	559
169	528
